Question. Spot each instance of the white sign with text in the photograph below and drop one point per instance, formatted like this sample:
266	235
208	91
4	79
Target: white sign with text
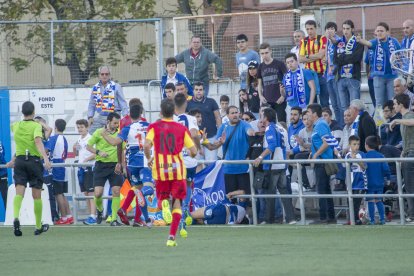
47	102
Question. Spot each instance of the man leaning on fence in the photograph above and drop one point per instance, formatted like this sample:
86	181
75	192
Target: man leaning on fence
321	150
106	97
197	60
401	105
275	177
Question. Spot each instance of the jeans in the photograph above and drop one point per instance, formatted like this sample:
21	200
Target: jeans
408	173
384	90
348	90
372	91
280	111
206	88
323	95
277	179
326	205
335	101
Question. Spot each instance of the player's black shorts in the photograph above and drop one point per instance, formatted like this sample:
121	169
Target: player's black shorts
235	182
104	171
59	187
30	170
85	177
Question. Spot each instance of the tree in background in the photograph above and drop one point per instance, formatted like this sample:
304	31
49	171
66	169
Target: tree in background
82	48
219	6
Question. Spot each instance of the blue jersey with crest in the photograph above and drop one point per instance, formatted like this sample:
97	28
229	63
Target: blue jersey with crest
134	135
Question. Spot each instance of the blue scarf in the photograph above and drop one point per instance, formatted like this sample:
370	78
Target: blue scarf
406	42
355	124
347	48
329	57
294	83
380	60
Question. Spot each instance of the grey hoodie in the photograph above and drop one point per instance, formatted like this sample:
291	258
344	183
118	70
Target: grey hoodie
196	69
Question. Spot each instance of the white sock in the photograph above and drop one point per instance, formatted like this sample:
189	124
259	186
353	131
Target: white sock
93	216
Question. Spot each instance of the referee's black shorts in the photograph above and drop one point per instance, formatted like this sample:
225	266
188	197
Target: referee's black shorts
104	171
28	171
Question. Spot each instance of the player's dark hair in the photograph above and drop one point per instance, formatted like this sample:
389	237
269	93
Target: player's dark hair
389	104
135	111
270	115
297	108
179	100
199	83
242	37
167	108
403	99
82	122
311	22
194	112
170	86
224	98
170	60
60	125
264	45
385	25
134	101
353	138
315	108
350	23
373	142
327	110
291	55
305	112
231	107
113	115
250	114
331	25
28	108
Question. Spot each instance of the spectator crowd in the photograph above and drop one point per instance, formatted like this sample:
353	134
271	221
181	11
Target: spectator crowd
306	106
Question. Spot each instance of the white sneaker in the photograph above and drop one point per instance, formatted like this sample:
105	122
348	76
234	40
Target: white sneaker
292	222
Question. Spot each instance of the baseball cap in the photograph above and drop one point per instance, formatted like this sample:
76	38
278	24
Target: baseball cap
253	64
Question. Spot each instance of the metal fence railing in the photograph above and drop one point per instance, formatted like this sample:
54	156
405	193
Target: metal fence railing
218	33
301	196
69	52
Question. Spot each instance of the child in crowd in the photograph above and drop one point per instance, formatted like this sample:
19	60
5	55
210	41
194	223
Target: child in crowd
358	176
57	146
169	91
174	77
85	174
224	104
376	172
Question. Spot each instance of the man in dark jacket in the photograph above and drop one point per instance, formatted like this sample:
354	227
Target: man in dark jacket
348	55
363	124
197	60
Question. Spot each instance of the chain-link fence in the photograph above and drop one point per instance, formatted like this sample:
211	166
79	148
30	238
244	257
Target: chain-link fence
68	53
367	16
218	33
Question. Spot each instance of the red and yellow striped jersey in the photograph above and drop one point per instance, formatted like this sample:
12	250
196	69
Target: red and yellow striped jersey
313	46
169	138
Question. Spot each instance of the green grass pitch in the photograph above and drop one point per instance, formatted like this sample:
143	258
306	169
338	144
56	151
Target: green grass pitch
261	250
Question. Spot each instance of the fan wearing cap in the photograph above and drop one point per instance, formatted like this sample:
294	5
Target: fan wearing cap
243	57
251	87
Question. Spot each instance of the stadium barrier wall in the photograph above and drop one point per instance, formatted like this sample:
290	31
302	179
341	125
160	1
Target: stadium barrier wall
300	196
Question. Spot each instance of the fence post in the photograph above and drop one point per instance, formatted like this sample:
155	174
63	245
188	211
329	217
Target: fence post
350	198
301	201
159	42
260	29
253	194
52	54
74	199
400	192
